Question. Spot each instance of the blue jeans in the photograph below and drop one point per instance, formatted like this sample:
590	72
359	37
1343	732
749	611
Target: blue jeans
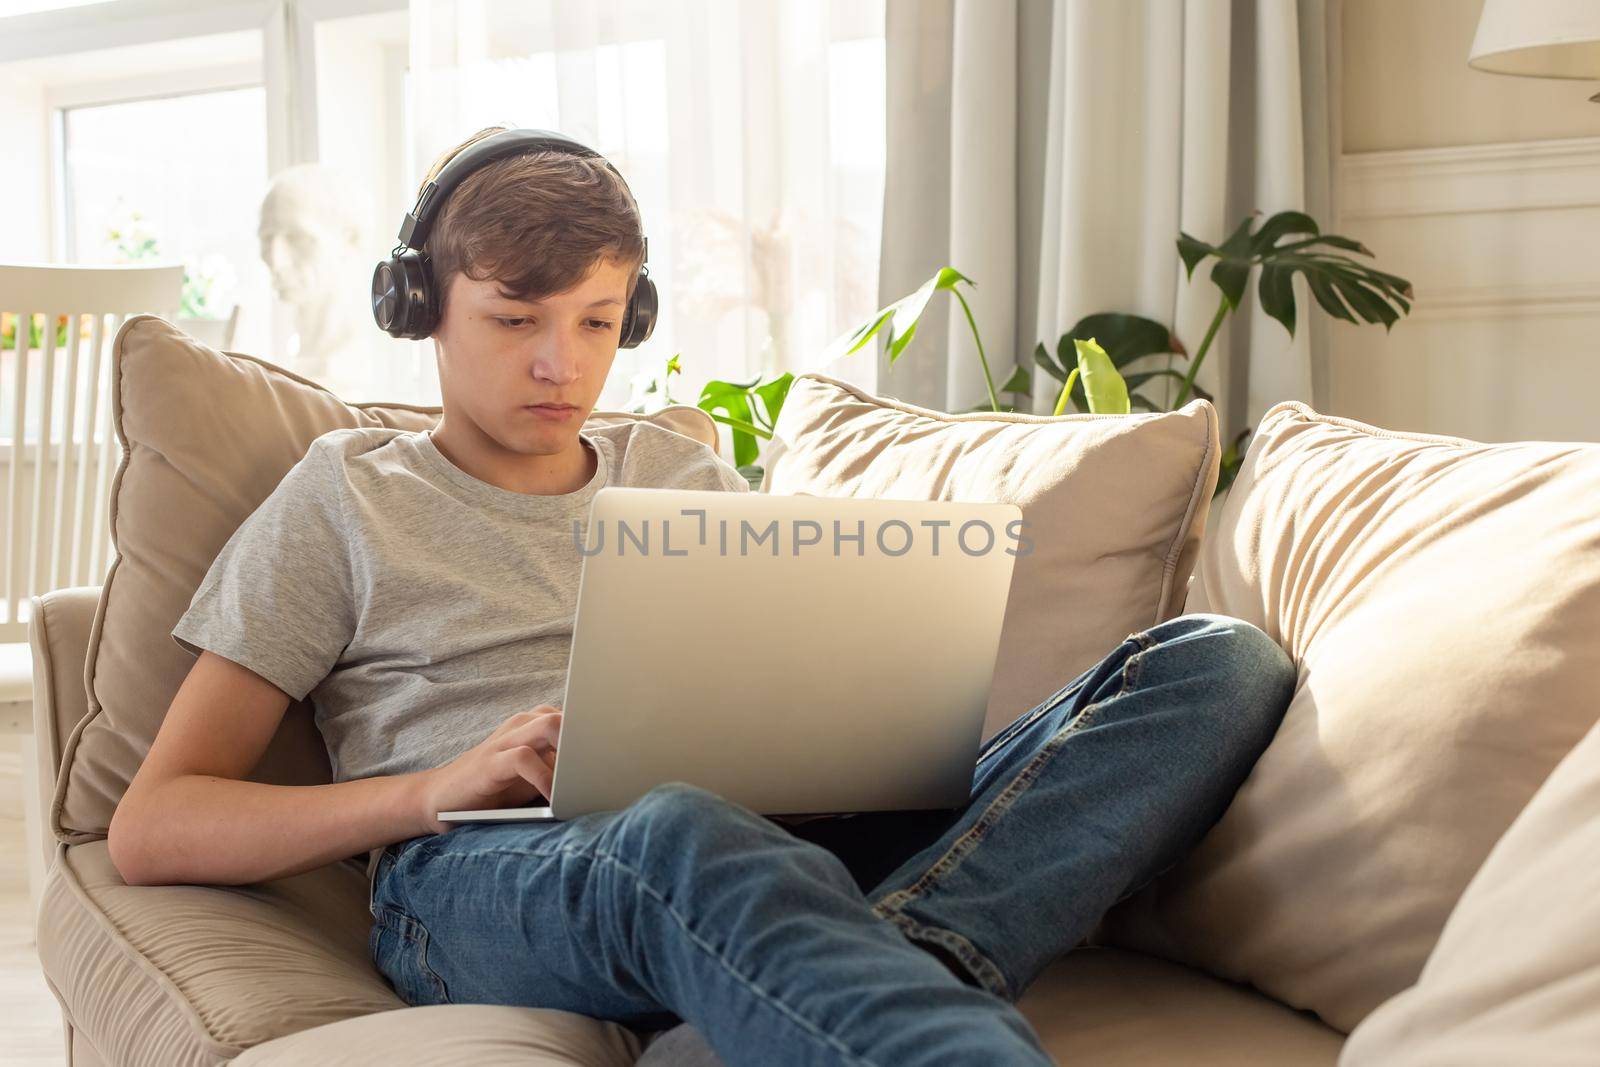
820	943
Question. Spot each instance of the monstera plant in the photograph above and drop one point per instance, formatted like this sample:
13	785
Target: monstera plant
1089	359
1287	243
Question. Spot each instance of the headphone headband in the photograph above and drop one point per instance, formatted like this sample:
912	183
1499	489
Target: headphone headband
405	301
418	222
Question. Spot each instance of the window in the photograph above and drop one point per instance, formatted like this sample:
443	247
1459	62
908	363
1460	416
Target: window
173	178
751	134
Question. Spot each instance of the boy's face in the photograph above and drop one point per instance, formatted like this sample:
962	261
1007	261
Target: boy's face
498	355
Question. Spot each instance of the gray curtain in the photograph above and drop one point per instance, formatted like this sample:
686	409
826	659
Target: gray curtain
1053	149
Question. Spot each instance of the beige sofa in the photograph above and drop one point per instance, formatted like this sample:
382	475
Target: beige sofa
136	968
1312	892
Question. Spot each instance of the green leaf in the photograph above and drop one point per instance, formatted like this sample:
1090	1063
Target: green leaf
1107	393
1237	246
1234	259
1323	291
1393	285
773	395
1344	287
1284	222
1134	381
1192	251
1126	338
1333	240
733	400
866	330
745	448
1340	284
1019	382
1397	284
1141	403
1276	291
1231	276
1066	355
1365	302
902	316
1041	357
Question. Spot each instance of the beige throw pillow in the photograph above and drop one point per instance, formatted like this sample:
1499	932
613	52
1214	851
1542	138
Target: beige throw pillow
205	436
1442	600
1515	977
1115	506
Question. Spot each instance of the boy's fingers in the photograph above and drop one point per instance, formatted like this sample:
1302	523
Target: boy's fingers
530	767
511	722
510	766
543	730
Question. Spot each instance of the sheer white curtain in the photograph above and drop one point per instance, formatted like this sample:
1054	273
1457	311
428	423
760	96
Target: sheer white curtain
752	135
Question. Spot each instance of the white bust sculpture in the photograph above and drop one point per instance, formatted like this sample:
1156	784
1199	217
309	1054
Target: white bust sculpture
312	241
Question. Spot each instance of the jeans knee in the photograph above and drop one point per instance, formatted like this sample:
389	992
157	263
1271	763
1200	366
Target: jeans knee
677	816
1262	673
1246	643
1258	671
676	799
693	844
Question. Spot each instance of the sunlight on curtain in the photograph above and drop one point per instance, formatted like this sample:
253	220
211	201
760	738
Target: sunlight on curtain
751	134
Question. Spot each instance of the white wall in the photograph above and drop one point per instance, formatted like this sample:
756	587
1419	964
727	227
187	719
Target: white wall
1484	191
355	120
24	184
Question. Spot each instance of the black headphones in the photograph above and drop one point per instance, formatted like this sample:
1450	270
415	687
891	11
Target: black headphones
405	300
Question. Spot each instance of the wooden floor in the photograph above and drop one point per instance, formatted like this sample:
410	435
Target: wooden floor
30	1019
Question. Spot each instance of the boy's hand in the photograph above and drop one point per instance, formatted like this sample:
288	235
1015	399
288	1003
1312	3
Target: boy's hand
511	768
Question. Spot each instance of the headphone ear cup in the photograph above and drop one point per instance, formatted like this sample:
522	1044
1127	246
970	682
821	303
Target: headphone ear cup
403	302
386	296
640	320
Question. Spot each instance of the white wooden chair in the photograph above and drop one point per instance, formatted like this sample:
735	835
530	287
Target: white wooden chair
56	465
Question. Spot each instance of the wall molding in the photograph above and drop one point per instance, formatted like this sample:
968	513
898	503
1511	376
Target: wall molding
1506	301
1470	179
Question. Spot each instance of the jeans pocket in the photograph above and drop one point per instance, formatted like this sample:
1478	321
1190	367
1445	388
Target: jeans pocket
399	947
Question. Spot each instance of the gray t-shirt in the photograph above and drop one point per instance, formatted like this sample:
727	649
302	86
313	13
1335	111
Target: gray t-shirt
415	604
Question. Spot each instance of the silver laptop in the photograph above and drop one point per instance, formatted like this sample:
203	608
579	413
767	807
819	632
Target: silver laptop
795	654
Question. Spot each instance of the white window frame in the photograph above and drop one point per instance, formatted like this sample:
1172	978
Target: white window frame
166	86
287	70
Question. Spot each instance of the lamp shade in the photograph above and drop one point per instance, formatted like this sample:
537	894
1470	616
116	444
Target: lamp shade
1542	38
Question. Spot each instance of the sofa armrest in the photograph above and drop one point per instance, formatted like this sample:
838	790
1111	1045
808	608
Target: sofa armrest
58	631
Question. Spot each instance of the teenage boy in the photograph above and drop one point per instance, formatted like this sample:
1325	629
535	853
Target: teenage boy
420	587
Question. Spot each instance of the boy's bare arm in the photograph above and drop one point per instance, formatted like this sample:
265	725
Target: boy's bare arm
188	816
221	831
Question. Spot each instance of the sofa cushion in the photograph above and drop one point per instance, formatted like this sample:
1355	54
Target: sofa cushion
191	974
1115	506
277	973
188	974
1095	1008
1441	598
205	436
455	1035
1515	977
1100	1007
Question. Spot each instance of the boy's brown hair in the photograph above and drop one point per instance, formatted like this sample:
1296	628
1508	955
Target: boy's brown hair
537	223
